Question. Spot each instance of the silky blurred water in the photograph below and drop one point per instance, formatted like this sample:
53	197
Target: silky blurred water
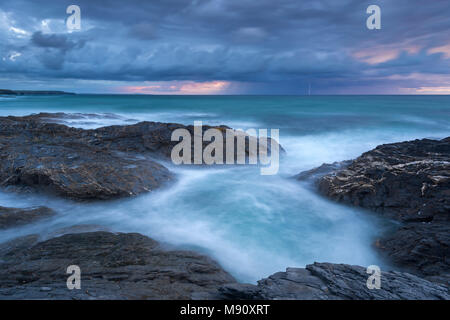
252	225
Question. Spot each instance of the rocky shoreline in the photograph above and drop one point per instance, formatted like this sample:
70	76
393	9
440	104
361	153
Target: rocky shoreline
39	154
113	266
133	266
406	181
328	281
15	217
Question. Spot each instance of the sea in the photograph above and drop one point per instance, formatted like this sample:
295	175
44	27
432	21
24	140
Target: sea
253	225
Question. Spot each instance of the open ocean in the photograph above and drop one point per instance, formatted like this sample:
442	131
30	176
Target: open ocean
252	225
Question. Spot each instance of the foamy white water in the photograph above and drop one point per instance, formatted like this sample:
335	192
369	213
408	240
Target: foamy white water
252	225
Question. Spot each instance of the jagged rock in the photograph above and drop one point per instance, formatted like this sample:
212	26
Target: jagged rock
326	281
104	163
132	266
421	248
79	228
58	159
409	182
18	244
315	174
113	266
14	217
146	137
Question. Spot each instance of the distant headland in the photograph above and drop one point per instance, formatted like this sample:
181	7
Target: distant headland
32	93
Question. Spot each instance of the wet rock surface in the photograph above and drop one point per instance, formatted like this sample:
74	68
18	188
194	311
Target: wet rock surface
409	182
406	181
109	162
54	158
152	138
325	169
15	217
325	281
113	266
132	266
420	248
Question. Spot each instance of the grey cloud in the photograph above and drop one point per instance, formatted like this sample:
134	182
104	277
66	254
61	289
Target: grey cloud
52	59
285	43
55	41
144	31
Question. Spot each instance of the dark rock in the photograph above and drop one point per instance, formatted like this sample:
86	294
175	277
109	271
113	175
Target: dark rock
325	281
104	163
14	217
409	182
132	266
146	137
58	159
79	228
113	266
315	174
18	244
421	248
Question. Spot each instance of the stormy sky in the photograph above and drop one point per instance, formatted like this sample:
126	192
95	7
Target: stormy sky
226	47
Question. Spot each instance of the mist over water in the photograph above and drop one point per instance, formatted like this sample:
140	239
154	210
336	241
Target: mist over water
252	225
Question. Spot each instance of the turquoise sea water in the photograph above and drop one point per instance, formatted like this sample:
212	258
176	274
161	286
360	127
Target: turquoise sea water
252	225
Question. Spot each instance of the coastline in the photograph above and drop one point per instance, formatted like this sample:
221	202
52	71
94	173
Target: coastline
119	138
7	92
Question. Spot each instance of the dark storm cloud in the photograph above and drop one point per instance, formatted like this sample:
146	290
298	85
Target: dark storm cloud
54	41
52	60
273	46
143	30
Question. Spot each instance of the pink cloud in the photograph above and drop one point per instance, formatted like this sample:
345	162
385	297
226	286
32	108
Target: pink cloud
430	78
377	56
425	83
204	87
382	54
443	49
178	87
433	90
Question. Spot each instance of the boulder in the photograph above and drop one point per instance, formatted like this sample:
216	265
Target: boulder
113	266
60	160
15	217
38	154
409	182
326	281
